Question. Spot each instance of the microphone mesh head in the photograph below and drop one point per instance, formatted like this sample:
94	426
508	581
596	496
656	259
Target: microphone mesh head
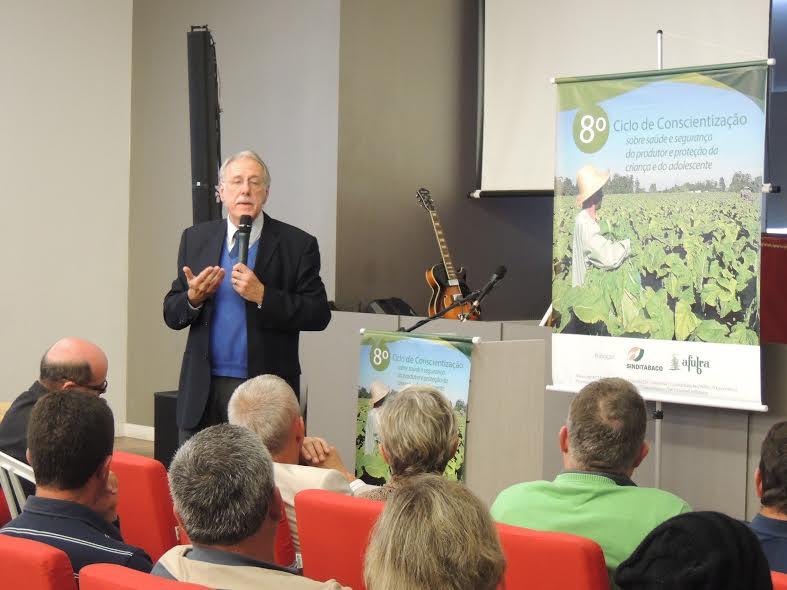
245	224
501	271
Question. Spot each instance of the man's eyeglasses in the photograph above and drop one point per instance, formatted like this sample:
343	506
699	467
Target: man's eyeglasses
100	389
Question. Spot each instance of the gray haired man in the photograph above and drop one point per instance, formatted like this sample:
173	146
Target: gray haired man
267	406
222	487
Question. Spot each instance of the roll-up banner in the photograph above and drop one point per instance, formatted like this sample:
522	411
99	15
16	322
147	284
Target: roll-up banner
656	254
393	360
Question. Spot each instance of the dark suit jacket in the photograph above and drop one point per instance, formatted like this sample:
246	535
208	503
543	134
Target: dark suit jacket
288	264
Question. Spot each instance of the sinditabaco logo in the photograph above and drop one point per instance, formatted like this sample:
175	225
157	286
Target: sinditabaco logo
636	354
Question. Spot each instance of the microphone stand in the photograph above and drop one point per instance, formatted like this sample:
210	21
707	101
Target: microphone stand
461	301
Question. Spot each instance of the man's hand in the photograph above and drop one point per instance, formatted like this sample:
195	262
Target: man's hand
314	450
204	284
334	461
246	284
107	504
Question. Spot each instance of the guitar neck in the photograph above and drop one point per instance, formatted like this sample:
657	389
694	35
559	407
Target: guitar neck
447	262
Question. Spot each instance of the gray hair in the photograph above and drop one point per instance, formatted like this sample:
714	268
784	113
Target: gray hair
267	406
418	431
246	155
221	481
433	533
606	425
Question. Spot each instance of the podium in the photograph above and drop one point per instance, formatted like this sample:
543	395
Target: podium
505	421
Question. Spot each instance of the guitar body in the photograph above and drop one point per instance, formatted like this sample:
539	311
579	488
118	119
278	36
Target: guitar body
444	294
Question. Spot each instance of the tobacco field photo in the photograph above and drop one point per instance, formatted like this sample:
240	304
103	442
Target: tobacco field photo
691	274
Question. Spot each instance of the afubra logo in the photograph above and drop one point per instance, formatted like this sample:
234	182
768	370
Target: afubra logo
636	354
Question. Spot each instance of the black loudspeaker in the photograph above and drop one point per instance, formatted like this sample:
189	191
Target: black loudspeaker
165	426
390	306
205	124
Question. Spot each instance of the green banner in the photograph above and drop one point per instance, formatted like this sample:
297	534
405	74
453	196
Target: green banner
390	361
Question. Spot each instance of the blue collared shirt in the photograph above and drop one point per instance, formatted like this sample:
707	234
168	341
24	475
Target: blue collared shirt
78	531
772	534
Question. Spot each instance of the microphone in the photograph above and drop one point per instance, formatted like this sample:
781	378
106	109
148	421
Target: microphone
500	272
244	232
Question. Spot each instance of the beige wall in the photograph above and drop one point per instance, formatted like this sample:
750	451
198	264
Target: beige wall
407	115
65	107
278	66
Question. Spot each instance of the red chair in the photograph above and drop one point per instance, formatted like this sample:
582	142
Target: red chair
334	531
106	576
536	559
144	503
34	566
779	581
5	514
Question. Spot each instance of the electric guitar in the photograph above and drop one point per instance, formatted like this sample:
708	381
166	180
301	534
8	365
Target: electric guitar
447	284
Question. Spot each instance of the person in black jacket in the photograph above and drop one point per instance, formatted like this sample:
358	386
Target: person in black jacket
244	319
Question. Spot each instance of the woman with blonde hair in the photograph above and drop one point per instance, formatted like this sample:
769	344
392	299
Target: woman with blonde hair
434	533
418	434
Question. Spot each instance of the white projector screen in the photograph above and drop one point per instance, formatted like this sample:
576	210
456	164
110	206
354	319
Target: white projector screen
526	43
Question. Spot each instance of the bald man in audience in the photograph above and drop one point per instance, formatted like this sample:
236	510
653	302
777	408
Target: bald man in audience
267	406
602	443
70	363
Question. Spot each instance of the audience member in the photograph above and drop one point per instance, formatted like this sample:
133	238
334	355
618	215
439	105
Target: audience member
770	525
222	488
267	406
433	533
418	434
594	496
697	551
70	363
70	438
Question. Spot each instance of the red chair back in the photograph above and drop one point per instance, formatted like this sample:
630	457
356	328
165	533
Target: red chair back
34	566
5	514
106	576
536	559
144	503
779	581
334	531
283	549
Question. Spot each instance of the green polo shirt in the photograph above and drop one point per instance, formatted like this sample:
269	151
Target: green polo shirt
591	505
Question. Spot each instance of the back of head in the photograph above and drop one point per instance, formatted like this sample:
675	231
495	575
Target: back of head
606	426
773	468
72	359
267	406
434	533
222	487
697	551
418	431
69	435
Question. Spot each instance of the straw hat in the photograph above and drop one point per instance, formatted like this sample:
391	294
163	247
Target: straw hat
379	390
589	181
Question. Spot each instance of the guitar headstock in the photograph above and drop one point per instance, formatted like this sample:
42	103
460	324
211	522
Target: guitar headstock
424	197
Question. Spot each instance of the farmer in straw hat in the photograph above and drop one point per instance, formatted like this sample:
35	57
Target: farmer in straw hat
590	247
378	390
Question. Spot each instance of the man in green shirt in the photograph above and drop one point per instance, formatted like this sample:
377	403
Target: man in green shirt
602	443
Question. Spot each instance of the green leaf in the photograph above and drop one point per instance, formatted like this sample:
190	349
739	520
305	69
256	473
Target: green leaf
685	320
740	334
711	331
590	306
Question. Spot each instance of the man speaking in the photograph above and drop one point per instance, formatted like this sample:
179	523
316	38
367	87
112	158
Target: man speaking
244	319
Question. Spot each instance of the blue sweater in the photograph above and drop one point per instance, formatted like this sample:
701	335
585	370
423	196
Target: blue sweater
228	338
